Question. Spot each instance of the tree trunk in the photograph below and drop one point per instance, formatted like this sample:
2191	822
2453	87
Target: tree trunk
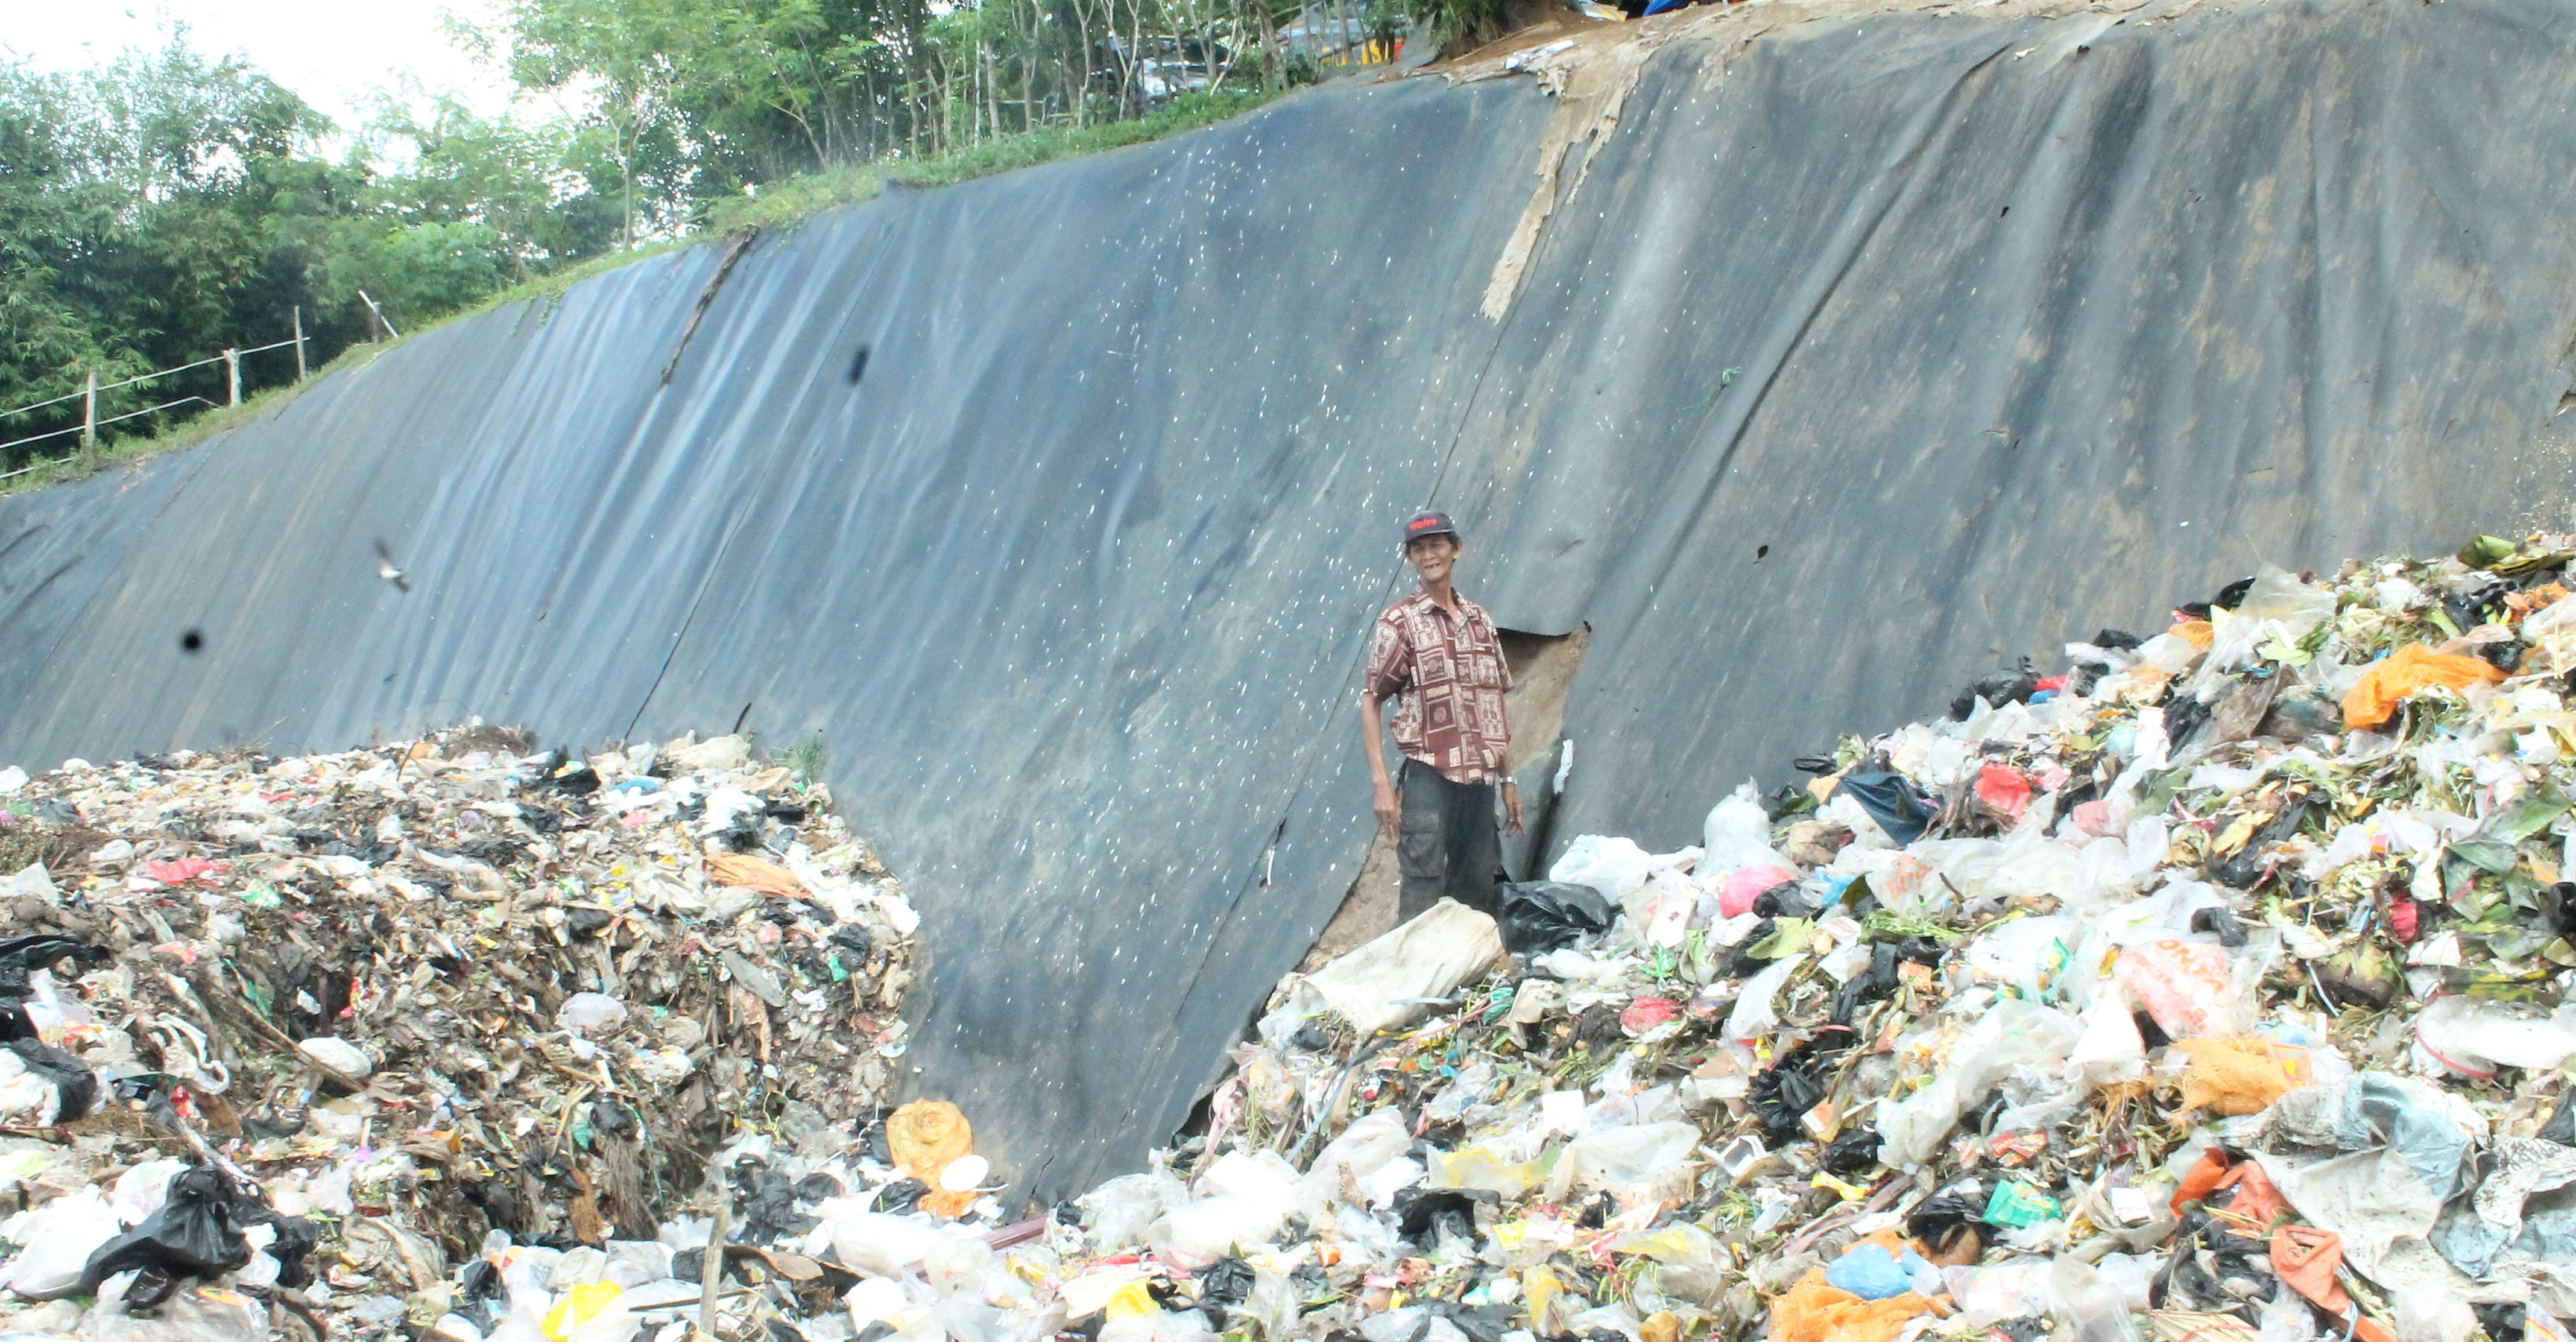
1127	72
992	89
1028	71
1081	106
1217	74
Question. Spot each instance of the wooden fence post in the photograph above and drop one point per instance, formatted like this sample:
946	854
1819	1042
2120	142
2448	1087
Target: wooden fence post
299	344
378	314
89	415
232	377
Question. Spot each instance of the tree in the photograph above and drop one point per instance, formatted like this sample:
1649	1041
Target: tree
168	206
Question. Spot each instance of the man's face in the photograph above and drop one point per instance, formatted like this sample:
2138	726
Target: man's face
1432	556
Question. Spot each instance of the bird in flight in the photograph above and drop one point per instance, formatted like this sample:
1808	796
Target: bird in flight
389	571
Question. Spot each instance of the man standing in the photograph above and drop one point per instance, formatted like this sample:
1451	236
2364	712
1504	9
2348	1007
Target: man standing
1438	656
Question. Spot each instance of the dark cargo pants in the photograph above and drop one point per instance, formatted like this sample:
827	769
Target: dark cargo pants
1448	844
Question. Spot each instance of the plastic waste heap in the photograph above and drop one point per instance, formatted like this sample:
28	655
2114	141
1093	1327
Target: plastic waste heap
284	1041
2208	982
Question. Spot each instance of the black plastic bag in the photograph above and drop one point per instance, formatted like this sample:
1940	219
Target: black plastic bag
1997	689
1481	1323
1948	1224
2220	923
1855	1152
75	1086
769	1209
1892	801
902	1195
196	1233
2559	902
1422	1213
1227	1281
2561	1127
1780	1096
1788	899
21	956
1541	916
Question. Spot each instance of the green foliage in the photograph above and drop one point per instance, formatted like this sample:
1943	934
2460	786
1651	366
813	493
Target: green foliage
1459	25
808	760
1188	111
168	205
782	204
426	267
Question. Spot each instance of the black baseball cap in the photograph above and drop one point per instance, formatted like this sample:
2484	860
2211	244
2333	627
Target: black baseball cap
1430	524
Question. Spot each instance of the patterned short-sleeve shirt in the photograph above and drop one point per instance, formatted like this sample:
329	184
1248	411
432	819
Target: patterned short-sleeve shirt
1447	676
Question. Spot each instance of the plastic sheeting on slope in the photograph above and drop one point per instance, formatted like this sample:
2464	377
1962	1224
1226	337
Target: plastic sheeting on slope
1074	580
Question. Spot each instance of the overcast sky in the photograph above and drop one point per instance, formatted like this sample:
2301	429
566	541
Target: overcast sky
333	52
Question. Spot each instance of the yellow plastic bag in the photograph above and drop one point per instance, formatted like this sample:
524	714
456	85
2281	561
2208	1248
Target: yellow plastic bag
1539	1287
1476	1167
580	1305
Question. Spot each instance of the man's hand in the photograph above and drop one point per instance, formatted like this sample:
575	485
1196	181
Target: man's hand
1382	797
1511	808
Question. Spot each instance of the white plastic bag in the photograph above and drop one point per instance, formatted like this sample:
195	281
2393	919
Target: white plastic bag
1360	1151
2474	1038
1647	1154
141	1190
584	1012
879	1243
1737	835
2012	1033
60	1236
2027	955
1754	1015
1381	984
1613	866
1660	910
2277	606
1119	1211
1198	1234
1262	1179
2110	1049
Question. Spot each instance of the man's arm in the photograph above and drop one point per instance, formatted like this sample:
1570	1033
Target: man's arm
1381	788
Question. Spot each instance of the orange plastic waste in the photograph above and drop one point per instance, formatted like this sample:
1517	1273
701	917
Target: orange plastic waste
948	1206
2305	1259
2406	672
1815	1310
2257	1203
925	1135
2242	1076
2200	1180
753	873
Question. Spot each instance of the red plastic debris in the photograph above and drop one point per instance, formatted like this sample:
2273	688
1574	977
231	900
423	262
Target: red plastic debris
1648	1012
2003	789
180	872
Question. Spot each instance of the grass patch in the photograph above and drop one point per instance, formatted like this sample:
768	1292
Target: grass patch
796	199
781	204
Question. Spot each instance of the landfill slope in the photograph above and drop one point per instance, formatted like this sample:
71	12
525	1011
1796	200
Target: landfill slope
1869	349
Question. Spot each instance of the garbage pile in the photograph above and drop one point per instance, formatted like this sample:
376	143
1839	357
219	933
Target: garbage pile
2210	983
2207	984
281	1040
